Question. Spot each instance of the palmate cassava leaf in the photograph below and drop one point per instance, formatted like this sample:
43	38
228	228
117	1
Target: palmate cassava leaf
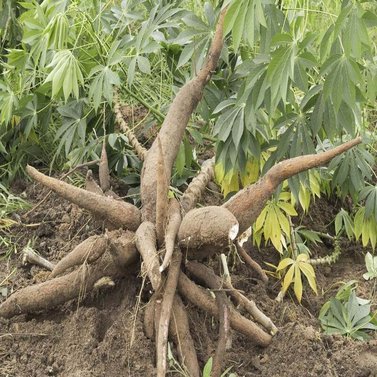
365	227
343	222
102	84
294	273
8	103
73	129
273	222
243	19
349	317
66	74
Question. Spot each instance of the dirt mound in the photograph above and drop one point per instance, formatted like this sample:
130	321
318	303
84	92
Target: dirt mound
102	335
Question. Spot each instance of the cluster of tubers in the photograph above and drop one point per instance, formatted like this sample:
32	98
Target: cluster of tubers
170	235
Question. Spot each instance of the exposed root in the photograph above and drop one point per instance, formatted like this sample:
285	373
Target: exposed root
91	185
30	256
197	186
205	230
87	251
138	148
166	308
200	271
118	213
149	318
205	301
162	196
251	263
175	123
54	292
248	203
62	177
146	245
214	282
173	223
180	331
104	173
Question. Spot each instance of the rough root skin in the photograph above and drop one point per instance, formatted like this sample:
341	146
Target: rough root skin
201	298
248	203
54	292
118	213
166	309
146	245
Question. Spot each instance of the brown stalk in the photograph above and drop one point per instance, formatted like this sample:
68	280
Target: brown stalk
138	148
197	186
104	173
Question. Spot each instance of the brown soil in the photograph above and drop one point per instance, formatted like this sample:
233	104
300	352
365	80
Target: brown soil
102	335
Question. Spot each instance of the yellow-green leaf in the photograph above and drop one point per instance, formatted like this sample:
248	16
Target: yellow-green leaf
284	263
288	278
297	287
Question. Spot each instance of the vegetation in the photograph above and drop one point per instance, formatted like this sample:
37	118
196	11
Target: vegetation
269	94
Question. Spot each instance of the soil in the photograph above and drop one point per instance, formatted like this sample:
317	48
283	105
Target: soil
102	334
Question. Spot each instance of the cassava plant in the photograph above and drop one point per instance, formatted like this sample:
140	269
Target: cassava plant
271	97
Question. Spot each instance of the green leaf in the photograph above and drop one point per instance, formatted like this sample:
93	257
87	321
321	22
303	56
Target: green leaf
65	74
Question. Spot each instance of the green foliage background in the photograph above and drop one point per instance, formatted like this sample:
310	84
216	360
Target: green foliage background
295	77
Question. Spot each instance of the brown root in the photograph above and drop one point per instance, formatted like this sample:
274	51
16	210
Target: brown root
201	298
251	263
54	292
162	196
248	203
87	251
91	185
173	223
200	271
214	282
205	230
118	213
175	123
104	173
166	308
149	318
197	186
146	245
180	331
138	148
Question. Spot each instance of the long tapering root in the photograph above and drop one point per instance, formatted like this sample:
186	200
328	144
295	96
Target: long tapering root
201	272
166	308
201	298
251	263
248	203
87	251
118	213
54	292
